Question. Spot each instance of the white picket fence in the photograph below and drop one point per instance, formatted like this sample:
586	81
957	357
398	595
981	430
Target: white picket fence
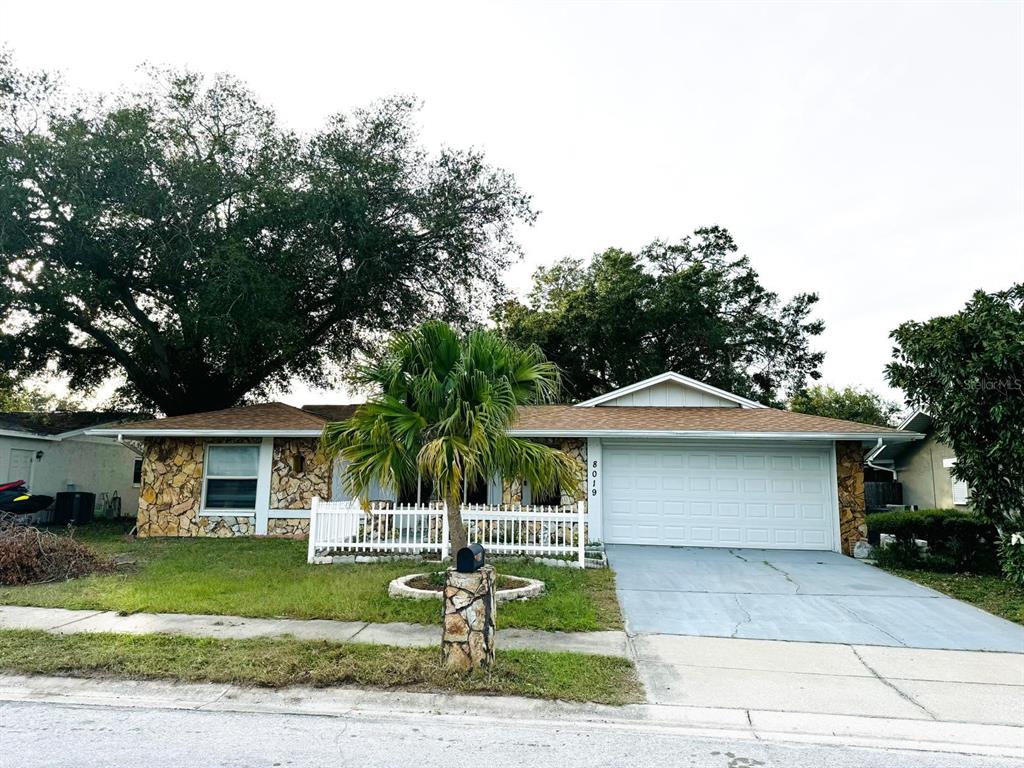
344	526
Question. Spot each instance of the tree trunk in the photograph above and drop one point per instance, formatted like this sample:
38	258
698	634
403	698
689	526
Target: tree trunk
456	528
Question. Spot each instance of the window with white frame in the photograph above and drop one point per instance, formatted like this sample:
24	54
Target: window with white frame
137	473
960	490
229	481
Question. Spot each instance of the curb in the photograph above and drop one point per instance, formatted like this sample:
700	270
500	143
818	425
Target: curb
640	719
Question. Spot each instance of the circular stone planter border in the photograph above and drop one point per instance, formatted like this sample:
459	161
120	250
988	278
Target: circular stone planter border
400	588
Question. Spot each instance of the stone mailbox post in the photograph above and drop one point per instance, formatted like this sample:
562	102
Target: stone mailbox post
467	640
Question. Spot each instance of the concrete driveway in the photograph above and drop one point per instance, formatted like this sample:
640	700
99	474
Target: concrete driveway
791	595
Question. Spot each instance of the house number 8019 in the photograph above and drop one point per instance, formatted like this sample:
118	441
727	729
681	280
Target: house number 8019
593	478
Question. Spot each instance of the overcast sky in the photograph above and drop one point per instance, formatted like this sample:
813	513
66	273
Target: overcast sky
872	152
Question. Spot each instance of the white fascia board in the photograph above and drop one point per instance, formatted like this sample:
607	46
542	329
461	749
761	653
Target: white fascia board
129	434
711	435
97	430
678	379
29	435
85	430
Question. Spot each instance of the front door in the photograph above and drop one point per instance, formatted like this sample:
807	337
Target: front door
21	466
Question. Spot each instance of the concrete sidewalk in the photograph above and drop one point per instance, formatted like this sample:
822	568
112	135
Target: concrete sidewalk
64	621
833	679
796	678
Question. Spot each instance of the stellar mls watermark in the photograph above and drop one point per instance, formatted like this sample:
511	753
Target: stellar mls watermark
1007	384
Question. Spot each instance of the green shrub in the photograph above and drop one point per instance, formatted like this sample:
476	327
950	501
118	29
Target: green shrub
903	554
1011	556
957	540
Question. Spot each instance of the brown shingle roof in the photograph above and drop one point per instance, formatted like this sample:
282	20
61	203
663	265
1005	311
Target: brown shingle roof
631	418
265	416
332	412
281	417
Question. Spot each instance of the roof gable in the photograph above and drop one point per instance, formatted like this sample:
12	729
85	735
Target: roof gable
671	390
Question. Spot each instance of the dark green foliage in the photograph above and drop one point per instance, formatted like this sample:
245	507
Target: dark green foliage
182	238
1011	557
904	553
441	408
850	403
693	307
957	541
967	371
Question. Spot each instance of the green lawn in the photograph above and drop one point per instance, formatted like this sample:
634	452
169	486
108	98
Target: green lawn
276	662
990	593
270	578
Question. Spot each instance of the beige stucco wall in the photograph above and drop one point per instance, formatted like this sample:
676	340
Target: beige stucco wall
926	482
91	464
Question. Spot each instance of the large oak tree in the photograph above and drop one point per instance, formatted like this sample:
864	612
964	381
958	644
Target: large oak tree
694	307
180	237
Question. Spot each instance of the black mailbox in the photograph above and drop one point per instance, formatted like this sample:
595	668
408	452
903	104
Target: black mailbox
469	559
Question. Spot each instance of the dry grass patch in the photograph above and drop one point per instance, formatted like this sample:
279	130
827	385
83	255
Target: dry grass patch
279	662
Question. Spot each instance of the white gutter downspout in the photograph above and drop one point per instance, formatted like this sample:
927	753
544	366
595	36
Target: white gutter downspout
132	448
875	451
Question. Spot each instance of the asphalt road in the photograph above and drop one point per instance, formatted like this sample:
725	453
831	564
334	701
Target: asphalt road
58	735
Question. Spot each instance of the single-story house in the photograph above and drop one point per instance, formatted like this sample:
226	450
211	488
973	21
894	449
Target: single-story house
52	453
921	467
669	460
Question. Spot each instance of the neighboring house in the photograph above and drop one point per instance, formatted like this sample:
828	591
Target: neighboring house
51	452
921	467
669	461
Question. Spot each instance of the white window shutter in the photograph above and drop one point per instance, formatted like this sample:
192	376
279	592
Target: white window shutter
494	489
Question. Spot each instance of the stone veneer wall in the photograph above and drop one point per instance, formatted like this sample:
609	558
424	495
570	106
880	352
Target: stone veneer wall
853	525
289	490
172	482
512	490
171	492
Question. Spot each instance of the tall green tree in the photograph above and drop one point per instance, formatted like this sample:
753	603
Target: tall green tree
442	406
967	371
181	238
694	307
849	403
18	395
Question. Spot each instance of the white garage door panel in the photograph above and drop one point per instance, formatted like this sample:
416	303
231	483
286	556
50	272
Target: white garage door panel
718	497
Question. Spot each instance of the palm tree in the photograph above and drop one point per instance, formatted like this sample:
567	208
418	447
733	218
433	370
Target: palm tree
443	407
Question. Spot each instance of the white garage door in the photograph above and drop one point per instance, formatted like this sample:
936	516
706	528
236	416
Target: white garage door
718	497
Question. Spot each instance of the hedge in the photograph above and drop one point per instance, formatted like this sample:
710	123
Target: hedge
957	540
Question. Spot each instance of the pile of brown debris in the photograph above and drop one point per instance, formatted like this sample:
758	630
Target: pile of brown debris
31	556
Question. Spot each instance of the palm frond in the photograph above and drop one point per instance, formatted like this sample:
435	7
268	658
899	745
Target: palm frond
444	406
